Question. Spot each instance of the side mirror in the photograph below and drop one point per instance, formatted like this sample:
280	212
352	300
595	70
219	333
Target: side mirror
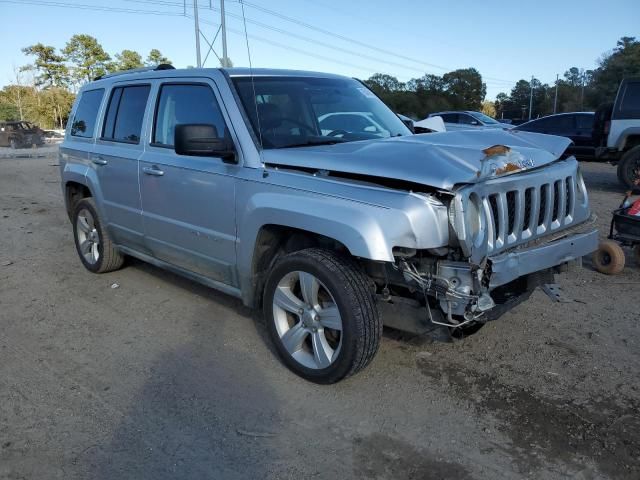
475	122
202	140
408	123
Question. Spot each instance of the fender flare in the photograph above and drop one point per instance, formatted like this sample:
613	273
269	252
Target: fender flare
624	135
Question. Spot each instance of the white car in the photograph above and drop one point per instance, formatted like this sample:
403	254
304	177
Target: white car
469	120
360	122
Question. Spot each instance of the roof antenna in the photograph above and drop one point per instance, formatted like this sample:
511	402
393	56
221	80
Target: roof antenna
253	84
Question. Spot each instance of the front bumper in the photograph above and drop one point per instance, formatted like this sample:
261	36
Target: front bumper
517	263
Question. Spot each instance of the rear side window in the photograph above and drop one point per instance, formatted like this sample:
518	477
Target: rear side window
84	120
630	101
467	119
180	104
123	122
449	117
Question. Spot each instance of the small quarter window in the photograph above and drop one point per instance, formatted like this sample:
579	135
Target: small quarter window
123	121
181	104
84	120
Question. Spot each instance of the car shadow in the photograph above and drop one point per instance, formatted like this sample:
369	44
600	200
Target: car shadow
204	410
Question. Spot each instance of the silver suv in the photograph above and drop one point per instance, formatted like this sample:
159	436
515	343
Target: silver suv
227	177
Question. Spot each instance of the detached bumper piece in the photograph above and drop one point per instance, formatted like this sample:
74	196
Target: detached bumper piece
511	265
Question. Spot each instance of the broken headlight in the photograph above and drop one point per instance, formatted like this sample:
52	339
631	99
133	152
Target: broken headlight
468	219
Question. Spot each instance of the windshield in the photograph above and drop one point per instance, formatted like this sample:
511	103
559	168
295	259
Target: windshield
301	111
485	118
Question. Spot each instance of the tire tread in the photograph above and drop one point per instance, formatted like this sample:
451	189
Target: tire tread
112	259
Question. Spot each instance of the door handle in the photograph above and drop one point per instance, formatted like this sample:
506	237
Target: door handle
153	171
98	160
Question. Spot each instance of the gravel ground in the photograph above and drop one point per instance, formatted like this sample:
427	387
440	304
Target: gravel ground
163	378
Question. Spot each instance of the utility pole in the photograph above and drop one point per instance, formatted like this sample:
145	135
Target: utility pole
584	74
555	99
531	98
197	27
223	25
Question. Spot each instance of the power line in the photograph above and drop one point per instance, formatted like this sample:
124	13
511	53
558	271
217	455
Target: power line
352	40
491	80
52	3
292	49
81	6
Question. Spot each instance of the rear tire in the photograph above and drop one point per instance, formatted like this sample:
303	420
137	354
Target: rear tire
321	315
609	258
96	250
636	254
629	167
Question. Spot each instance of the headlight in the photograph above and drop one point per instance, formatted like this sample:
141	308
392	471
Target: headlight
473	217
468	219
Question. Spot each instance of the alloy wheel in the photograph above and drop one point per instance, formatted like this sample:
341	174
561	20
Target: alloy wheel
307	320
88	238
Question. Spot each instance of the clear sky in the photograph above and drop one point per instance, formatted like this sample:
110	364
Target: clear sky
504	40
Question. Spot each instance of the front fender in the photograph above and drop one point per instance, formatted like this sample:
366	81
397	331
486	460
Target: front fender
356	225
366	230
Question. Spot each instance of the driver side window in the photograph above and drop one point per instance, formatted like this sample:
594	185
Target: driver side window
180	104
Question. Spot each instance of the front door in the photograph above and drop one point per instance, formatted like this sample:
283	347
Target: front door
188	202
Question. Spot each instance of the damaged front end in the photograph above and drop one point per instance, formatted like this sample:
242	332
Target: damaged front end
509	233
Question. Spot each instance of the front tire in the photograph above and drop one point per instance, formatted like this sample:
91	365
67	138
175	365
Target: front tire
629	167
95	249
321	315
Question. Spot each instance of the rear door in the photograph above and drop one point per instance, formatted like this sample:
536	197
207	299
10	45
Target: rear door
625	118
188	202
115	159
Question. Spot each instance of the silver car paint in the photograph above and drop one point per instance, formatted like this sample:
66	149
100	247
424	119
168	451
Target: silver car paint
190	226
439	160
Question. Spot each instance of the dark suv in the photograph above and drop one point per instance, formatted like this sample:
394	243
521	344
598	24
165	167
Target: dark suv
20	134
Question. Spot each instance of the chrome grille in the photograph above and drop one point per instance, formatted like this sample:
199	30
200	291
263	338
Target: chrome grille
517	215
519	208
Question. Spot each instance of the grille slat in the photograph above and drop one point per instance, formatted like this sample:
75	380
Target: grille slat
517	215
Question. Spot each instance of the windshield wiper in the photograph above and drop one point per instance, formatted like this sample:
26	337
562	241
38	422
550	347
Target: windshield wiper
316	142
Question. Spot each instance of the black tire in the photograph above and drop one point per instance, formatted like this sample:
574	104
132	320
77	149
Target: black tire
636	254
109	258
609	258
351	291
629	167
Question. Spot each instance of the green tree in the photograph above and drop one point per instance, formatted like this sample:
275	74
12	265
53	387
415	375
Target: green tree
465	88
381	83
87	56
127	59
155	57
7	110
623	61
48	65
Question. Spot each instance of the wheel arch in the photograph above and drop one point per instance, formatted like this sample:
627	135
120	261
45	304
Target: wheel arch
274	240
75	190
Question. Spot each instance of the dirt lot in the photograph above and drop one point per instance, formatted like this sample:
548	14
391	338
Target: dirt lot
162	378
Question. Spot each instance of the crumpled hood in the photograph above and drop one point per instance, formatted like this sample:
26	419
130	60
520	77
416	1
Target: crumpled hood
440	160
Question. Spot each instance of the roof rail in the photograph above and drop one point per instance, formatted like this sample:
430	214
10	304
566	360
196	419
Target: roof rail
162	66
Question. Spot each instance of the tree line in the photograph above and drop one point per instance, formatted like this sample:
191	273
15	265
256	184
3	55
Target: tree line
44	90
463	89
